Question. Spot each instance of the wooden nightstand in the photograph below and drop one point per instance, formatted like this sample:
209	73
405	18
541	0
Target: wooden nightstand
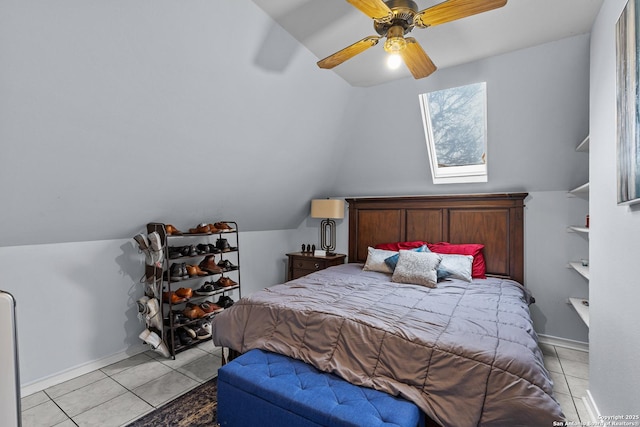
301	264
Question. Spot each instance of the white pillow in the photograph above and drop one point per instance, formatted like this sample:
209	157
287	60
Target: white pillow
375	260
418	268
457	266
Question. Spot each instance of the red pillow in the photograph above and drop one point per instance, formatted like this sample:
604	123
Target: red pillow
396	246
479	267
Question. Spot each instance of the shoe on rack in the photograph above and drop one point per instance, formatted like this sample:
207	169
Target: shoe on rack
155	342
172	298
225	282
184	292
155	242
170	229
177	317
223	245
184	337
189	330
194	270
227	265
224	301
149	311
223	226
193	312
201	229
207	288
209	264
203	331
210	308
175	251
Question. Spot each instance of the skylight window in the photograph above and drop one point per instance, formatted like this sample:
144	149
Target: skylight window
455	127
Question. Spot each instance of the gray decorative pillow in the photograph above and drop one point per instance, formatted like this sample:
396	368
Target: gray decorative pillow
375	260
457	266
418	268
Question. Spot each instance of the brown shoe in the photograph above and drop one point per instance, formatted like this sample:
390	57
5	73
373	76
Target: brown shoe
210	308
170	229
194	312
184	292
194	270
222	226
209	264
171	297
226	282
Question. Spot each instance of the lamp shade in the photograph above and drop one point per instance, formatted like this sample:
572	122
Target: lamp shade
327	208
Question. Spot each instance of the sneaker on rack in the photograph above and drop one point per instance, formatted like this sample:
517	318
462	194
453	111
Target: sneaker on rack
144	246
156	248
207	288
155	342
203	331
149	311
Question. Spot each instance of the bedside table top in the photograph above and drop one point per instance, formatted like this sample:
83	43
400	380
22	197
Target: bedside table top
311	255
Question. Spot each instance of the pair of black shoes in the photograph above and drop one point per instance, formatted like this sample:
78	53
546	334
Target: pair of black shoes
180	251
227	265
224	246
224	301
178	271
208	248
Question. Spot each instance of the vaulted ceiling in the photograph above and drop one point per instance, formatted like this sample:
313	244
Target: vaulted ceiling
114	114
327	26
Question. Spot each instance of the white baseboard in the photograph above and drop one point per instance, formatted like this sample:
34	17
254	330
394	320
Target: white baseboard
563	342
44	383
592	408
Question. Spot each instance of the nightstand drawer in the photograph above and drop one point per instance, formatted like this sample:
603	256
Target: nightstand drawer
301	264
308	264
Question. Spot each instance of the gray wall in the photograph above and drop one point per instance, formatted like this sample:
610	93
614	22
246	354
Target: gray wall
538	100
614	374
118	113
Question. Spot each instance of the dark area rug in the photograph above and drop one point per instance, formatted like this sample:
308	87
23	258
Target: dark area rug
196	408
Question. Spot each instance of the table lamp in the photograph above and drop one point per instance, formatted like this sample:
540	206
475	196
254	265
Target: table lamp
328	209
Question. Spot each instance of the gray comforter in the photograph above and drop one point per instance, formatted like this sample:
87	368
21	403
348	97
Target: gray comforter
465	353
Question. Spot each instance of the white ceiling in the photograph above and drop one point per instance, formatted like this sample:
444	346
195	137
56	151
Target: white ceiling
326	26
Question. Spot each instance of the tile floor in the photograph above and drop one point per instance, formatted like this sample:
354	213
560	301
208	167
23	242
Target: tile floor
122	392
569	370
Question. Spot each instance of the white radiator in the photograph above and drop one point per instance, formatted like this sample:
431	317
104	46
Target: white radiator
9	372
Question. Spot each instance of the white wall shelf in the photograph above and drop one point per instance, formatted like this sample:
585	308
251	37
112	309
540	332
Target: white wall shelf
581	305
581	308
581	191
578	229
584	145
582	269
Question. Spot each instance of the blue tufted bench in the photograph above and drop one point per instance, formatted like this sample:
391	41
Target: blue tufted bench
268	389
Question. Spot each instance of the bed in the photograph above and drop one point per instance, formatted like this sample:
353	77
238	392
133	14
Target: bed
464	352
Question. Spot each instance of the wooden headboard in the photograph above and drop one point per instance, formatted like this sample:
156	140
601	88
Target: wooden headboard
495	220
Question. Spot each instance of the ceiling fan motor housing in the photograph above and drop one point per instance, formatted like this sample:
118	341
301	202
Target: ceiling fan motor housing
403	13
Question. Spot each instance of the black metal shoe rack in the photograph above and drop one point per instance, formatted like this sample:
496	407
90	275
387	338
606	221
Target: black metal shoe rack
163	277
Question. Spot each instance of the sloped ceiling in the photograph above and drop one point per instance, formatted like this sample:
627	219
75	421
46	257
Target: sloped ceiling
115	114
327	26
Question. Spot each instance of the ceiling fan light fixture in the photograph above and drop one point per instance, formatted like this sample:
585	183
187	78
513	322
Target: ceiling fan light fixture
395	45
395	42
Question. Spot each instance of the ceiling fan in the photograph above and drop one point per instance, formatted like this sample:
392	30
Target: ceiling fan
394	19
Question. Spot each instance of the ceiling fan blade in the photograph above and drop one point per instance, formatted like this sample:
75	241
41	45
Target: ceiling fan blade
375	9
348	52
416	59
450	10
